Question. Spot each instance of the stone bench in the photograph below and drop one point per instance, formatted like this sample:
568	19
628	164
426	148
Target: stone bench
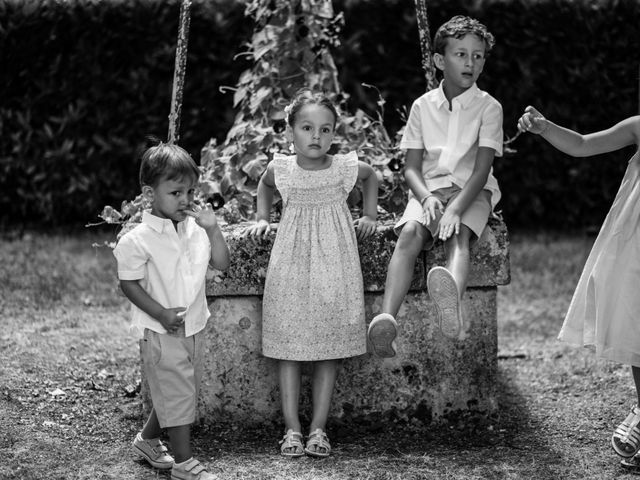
430	378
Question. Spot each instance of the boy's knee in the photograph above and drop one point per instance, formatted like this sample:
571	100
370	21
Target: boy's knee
413	235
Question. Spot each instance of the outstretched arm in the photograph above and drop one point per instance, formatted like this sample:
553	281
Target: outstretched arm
622	134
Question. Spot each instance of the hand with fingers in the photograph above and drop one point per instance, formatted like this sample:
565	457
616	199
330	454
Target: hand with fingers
532	121
172	318
261	228
431	204
449	225
365	227
205	217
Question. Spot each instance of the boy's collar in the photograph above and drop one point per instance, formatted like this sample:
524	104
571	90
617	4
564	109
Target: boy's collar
156	223
464	99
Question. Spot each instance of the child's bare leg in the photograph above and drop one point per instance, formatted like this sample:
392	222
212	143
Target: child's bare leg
289	372
323	384
636	379
458	257
400	270
383	329
151	428
180	438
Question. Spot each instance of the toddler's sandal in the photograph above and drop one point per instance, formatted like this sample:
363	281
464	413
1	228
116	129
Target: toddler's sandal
632	463
318	439
626	438
291	444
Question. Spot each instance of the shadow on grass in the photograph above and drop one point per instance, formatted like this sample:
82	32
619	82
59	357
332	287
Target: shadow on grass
509	443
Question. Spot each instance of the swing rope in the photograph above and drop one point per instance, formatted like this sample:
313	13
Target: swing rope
425	44
179	71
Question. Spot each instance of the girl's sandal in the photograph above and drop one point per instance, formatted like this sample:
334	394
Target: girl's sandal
319	440
291	444
626	438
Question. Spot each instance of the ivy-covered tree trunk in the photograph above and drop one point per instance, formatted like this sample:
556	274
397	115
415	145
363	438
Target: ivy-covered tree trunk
290	49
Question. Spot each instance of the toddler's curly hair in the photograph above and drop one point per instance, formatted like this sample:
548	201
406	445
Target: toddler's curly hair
458	27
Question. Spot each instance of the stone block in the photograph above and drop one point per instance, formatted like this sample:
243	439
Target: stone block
430	377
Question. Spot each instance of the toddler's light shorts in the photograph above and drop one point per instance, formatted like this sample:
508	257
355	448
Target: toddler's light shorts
173	367
475	216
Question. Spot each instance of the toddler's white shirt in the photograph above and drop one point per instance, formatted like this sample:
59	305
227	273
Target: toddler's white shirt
170	265
451	138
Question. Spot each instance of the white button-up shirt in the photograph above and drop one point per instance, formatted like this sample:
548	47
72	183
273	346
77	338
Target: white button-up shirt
171	267
451	138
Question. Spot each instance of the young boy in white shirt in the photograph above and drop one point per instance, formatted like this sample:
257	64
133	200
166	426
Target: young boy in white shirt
451	137
162	264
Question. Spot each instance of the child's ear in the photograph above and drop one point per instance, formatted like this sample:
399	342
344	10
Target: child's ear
438	61
147	193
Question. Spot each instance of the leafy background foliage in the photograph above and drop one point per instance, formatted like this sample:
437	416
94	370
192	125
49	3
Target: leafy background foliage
83	82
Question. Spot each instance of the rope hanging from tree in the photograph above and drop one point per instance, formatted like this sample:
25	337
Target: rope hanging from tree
179	71
425	44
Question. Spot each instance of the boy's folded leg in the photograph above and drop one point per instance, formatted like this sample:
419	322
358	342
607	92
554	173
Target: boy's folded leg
381	334
444	291
153	451
192	469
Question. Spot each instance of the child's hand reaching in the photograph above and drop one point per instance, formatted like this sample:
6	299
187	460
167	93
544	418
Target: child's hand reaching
365	227
261	228
532	121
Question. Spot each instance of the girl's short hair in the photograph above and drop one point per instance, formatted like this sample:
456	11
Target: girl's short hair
458	27
166	161
305	96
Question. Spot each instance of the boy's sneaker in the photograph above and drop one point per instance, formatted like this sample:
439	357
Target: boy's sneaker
192	469
444	291
153	451
381	333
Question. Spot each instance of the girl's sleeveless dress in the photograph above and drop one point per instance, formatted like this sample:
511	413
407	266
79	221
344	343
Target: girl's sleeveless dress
605	309
313	304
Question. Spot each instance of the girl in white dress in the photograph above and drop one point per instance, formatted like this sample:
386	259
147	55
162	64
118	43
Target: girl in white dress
313	304
605	309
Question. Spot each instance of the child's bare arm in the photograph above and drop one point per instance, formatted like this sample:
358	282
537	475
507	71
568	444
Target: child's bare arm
266	190
450	221
415	181
626	132
170	318
206	218
366	225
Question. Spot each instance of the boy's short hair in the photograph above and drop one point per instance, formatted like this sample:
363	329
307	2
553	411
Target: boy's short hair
458	27
166	161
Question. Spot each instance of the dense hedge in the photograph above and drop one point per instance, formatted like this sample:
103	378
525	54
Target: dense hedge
84	81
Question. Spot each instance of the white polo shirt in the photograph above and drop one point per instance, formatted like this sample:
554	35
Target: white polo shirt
170	265
451	138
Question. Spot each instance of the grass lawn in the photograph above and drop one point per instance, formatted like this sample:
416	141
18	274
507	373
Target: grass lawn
68	372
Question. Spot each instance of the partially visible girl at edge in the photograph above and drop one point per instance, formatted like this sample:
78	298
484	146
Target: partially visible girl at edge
605	309
313	304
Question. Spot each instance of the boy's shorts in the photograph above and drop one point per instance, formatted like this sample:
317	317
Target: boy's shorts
475	216
173	367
